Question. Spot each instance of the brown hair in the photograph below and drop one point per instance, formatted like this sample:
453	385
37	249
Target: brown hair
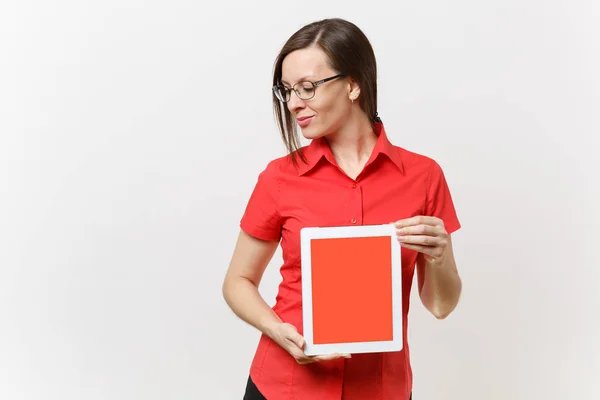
348	51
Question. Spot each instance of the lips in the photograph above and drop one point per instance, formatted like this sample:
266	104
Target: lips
304	121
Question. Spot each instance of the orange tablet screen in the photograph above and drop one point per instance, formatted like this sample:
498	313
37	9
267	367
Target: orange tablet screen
352	289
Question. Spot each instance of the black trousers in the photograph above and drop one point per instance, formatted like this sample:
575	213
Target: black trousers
252	392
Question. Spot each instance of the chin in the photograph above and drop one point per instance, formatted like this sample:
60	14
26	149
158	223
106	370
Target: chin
311	133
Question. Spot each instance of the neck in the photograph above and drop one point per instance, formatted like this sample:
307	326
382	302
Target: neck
353	144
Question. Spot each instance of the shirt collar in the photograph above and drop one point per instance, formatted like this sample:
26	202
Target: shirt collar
319	149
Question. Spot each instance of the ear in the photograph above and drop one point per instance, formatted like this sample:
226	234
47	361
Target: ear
353	90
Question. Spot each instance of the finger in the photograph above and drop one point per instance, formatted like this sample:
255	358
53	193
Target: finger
292	335
434	252
328	357
422	229
297	344
321	358
418	220
298	340
298	354
421	240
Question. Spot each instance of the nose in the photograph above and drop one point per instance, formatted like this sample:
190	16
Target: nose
295	103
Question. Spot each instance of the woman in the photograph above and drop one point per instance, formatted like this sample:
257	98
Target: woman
350	174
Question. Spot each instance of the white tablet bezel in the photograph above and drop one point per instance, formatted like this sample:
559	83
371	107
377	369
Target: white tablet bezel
309	233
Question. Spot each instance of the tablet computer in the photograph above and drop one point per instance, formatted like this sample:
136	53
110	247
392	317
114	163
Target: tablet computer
351	289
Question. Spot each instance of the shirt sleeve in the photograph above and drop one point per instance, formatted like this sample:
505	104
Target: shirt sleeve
439	200
261	217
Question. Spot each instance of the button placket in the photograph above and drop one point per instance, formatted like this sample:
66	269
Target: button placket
356	204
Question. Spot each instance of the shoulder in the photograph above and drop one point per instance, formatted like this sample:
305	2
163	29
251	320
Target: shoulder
414	162
281	166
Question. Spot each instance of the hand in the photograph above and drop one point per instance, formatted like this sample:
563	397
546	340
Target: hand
426	235
287	336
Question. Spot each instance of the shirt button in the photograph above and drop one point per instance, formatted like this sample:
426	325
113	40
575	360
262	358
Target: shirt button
353	220
354	186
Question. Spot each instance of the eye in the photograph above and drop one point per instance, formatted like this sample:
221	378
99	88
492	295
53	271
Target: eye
281	92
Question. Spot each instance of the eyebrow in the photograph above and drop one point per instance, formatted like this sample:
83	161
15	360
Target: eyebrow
299	80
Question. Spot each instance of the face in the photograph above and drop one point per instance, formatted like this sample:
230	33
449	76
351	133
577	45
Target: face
327	111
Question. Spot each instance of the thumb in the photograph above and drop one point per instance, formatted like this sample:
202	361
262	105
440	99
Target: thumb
299	340
296	337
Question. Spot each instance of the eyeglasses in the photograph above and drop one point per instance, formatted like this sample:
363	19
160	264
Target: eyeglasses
305	90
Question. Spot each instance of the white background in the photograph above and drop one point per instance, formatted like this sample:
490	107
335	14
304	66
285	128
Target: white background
132	133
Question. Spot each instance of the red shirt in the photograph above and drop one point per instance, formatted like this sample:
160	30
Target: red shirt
394	184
